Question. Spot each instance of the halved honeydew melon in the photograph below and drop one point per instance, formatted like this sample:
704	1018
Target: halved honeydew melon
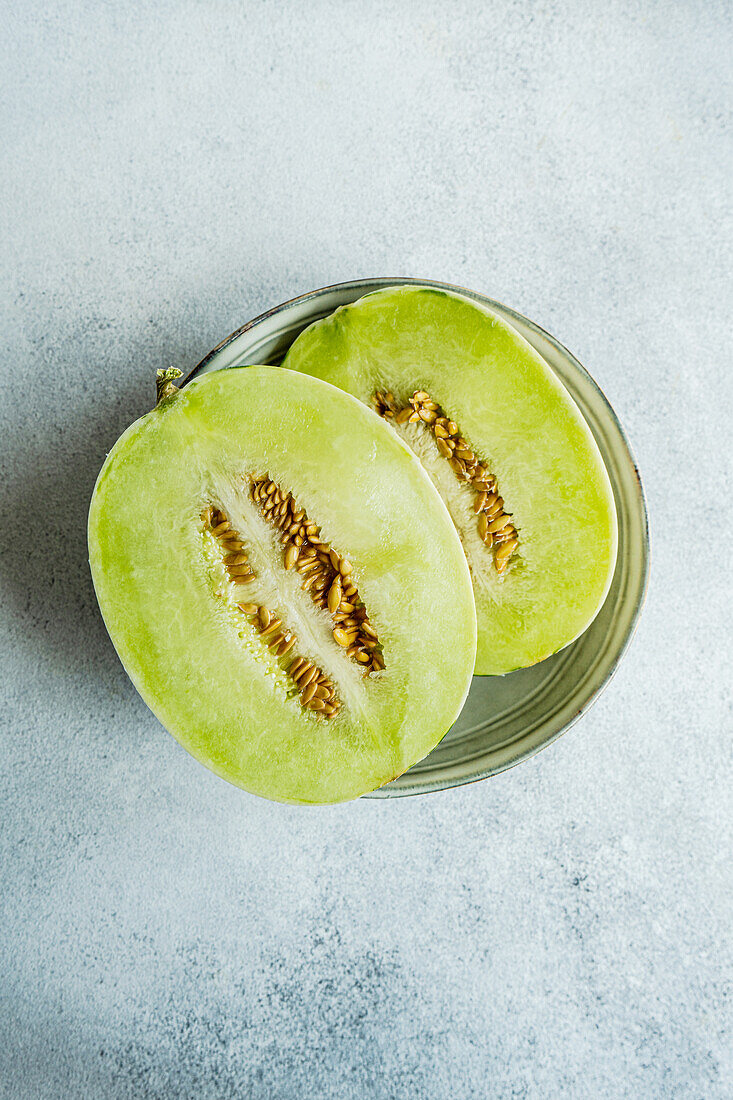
283	584
504	444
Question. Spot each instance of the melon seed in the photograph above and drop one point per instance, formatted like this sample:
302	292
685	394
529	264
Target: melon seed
308	694
306	678
291	555
305	566
235	559
334	595
504	550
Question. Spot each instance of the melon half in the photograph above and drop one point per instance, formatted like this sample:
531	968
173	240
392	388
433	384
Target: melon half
505	446
283	584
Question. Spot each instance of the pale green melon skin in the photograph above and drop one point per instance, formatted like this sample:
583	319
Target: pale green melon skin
515	412
373	501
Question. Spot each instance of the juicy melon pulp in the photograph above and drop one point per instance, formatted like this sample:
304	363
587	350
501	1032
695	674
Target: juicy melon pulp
521	423
174	612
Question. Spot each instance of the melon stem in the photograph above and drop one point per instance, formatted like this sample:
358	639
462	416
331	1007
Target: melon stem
164	387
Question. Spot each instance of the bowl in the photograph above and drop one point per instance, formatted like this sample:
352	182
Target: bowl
505	718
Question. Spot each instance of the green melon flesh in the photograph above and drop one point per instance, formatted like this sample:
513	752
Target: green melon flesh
520	420
171	611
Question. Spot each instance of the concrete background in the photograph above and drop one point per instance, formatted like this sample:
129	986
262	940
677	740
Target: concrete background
169	170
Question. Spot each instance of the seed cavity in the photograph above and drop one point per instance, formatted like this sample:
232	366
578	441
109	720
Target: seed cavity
494	524
327	575
322	700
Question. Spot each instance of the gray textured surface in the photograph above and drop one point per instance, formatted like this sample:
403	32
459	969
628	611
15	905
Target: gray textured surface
170	170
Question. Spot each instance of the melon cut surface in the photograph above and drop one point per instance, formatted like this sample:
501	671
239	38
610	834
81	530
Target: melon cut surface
479	375
183	552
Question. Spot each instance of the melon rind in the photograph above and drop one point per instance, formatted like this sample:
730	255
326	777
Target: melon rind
516	414
218	692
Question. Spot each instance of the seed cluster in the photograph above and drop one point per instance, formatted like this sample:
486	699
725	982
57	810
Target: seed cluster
317	691
326	574
494	524
235	559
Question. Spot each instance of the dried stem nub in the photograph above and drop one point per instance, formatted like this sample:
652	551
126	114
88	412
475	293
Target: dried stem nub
164	383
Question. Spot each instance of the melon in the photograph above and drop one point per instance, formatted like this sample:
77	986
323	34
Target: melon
505	446
283	584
